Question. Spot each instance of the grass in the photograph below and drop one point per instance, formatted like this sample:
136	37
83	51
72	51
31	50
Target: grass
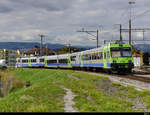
6	79
4	75
46	95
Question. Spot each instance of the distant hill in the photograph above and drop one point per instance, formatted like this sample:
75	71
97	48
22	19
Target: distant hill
29	45
26	45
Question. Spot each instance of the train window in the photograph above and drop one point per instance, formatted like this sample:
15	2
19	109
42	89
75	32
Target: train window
33	60
63	61
96	56
51	61
126	52
100	55
93	56
121	52
87	57
116	53
73	58
24	61
42	60
18	60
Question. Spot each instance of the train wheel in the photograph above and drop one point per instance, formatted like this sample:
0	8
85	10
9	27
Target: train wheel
129	71
90	69
109	72
113	71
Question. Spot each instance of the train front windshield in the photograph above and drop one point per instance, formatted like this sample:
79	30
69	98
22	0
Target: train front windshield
121	52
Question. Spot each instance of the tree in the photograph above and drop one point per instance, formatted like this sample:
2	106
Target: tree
69	49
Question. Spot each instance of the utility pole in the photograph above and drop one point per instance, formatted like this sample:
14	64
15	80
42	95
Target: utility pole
23	51
130	3
41	45
69	48
97	38
46	49
89	32
120	31
130	31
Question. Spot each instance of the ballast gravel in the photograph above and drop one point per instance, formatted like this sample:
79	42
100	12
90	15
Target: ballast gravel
139	85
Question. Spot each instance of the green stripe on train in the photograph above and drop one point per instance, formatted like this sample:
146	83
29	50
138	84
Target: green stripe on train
45	61
29	61
81	59
104	57
69	60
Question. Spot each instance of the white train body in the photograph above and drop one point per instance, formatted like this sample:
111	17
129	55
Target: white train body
78	59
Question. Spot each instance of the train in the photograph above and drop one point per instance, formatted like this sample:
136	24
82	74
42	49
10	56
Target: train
112	57
3	64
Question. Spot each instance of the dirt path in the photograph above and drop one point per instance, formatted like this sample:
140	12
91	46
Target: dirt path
68	99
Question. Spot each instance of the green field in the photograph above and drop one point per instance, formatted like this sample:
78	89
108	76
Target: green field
94	93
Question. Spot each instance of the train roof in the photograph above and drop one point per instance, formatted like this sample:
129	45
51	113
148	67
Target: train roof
116	44
109	45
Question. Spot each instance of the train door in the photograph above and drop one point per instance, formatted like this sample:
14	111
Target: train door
73	59
20	62
107	57
37	61
78	60
58	61
104	57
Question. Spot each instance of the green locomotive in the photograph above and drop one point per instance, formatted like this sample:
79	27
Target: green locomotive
118	57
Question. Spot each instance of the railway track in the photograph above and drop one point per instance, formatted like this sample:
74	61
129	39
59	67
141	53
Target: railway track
131	76
139	82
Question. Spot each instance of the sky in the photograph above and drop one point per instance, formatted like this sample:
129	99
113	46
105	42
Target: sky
59	20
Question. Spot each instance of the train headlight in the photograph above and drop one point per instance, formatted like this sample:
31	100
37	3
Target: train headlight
114	61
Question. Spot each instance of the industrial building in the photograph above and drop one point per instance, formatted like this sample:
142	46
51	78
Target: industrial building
10	56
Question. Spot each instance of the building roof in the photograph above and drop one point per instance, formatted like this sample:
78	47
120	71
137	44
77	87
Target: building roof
137	53
61	52
36	51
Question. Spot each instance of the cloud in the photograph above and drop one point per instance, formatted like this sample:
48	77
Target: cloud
59	20
5	9
50	5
